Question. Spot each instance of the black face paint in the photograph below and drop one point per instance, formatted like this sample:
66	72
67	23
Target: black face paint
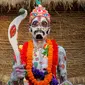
47	31
31	30
37	31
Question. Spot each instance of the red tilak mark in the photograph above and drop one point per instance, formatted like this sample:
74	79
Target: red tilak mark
12	31
39	18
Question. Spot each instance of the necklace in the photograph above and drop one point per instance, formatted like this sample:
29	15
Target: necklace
48	77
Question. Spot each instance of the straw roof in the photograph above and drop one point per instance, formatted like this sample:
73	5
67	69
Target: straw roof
10	2
50	4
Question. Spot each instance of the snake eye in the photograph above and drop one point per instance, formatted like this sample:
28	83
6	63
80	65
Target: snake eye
44	24
34	23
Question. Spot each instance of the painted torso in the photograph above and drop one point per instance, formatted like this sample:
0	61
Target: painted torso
40	61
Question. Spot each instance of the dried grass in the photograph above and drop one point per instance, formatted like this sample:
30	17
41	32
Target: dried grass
78	80
67	4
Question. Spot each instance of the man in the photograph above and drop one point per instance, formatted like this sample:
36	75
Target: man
42	59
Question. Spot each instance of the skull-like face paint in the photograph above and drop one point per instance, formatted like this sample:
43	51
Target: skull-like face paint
40	28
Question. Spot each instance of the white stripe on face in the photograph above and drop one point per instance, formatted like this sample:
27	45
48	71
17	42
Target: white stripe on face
40	25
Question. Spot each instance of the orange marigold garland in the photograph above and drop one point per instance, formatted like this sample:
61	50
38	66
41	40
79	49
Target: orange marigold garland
48	77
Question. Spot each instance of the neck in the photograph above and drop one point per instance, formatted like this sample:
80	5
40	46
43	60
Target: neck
39	43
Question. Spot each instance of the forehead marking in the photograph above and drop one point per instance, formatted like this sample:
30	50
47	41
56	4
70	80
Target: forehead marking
40	19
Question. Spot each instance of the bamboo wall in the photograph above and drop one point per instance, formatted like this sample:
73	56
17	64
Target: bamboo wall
68	29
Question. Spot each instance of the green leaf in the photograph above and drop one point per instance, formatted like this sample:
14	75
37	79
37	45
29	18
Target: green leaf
46	51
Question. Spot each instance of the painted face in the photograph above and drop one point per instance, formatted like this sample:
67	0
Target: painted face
40	28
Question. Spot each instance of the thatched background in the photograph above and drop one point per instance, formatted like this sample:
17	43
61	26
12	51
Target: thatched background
59	5
69	31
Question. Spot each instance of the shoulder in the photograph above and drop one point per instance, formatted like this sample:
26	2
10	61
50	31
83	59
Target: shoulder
61	50
23	47
25	44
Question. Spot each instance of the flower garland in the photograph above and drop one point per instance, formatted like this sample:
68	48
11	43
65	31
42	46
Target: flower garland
39	74
48	77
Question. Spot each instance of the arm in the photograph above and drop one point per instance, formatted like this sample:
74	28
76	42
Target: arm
19	72
62	64
62	67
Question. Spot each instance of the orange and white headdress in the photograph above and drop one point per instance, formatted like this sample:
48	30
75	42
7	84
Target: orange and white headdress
39	11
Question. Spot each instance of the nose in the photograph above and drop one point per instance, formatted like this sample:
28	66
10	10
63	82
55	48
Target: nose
39	27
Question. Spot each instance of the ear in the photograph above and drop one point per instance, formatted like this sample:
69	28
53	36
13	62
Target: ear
48	31
30	29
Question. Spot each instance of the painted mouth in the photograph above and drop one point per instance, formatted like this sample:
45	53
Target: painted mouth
39	37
